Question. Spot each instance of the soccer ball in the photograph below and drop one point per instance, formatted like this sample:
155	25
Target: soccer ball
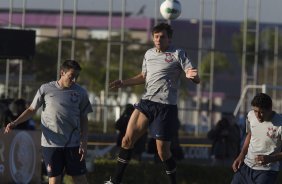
170	9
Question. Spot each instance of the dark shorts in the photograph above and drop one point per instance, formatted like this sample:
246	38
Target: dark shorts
162	118
246	175
59	159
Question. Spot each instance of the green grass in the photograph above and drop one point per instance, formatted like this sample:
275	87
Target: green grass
151	173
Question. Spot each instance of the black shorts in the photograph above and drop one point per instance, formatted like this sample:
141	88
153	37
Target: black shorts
162	118
57	159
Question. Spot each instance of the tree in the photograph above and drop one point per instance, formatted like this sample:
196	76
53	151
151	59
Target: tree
265	54
220	64
91	54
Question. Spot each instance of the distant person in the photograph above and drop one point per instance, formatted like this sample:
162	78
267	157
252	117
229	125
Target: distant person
258	161
6	114
2	114
161	70
64	121
18	107
121	125
225	138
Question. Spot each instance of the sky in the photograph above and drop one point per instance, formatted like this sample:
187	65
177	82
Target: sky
227	10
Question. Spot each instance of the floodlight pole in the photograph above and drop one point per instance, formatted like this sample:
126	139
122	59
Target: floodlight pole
105	117
245	51
20	60
157	9
211	73
121	58
60	27
199	86
275	65
8	61
73	29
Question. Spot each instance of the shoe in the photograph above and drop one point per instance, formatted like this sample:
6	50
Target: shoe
109	182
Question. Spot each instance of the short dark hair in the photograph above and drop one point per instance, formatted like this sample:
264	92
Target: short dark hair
70	64
262	101
163	26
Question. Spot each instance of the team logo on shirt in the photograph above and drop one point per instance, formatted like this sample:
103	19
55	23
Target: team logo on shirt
271	133
168	57
74	97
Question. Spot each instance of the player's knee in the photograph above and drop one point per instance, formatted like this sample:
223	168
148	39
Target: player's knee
164	154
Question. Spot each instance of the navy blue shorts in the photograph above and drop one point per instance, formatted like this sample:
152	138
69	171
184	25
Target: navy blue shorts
162	118
246	175
59	159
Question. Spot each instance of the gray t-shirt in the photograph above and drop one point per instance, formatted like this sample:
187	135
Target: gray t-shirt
162	71
265	140
61	112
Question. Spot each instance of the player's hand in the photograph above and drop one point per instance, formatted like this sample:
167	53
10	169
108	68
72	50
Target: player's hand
9	127
83	150
192	73
116	84
238	162
263	159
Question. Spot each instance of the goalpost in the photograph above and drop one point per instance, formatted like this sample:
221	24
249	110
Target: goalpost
263	87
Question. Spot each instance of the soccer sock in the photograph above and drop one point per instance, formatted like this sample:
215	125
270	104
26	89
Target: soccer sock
122	161
170	167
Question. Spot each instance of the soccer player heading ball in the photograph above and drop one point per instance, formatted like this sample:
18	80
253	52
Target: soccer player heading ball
161	70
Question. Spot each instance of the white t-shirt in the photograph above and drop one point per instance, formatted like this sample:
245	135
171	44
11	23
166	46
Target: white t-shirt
265	140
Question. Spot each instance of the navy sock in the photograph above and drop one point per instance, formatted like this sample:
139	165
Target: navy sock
122	161
170	168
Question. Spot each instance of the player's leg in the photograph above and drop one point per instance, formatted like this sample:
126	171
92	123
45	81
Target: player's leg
165	155
81	179
261	176
53	159
244	175
137	126
74	166
163	129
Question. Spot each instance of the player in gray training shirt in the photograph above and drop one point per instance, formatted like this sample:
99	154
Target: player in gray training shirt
64	121
161	69
259	159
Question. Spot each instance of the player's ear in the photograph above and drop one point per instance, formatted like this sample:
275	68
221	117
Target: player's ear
62	72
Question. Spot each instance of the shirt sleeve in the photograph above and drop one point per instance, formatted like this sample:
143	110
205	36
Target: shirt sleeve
184	60
144	66
85	105
248	126
38	99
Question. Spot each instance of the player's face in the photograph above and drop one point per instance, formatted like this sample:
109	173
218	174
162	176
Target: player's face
68	77
161	40
262	114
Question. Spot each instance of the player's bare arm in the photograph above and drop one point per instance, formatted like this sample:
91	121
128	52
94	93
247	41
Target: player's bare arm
136	80
84	137
265	159
240	159
192	73
27	114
